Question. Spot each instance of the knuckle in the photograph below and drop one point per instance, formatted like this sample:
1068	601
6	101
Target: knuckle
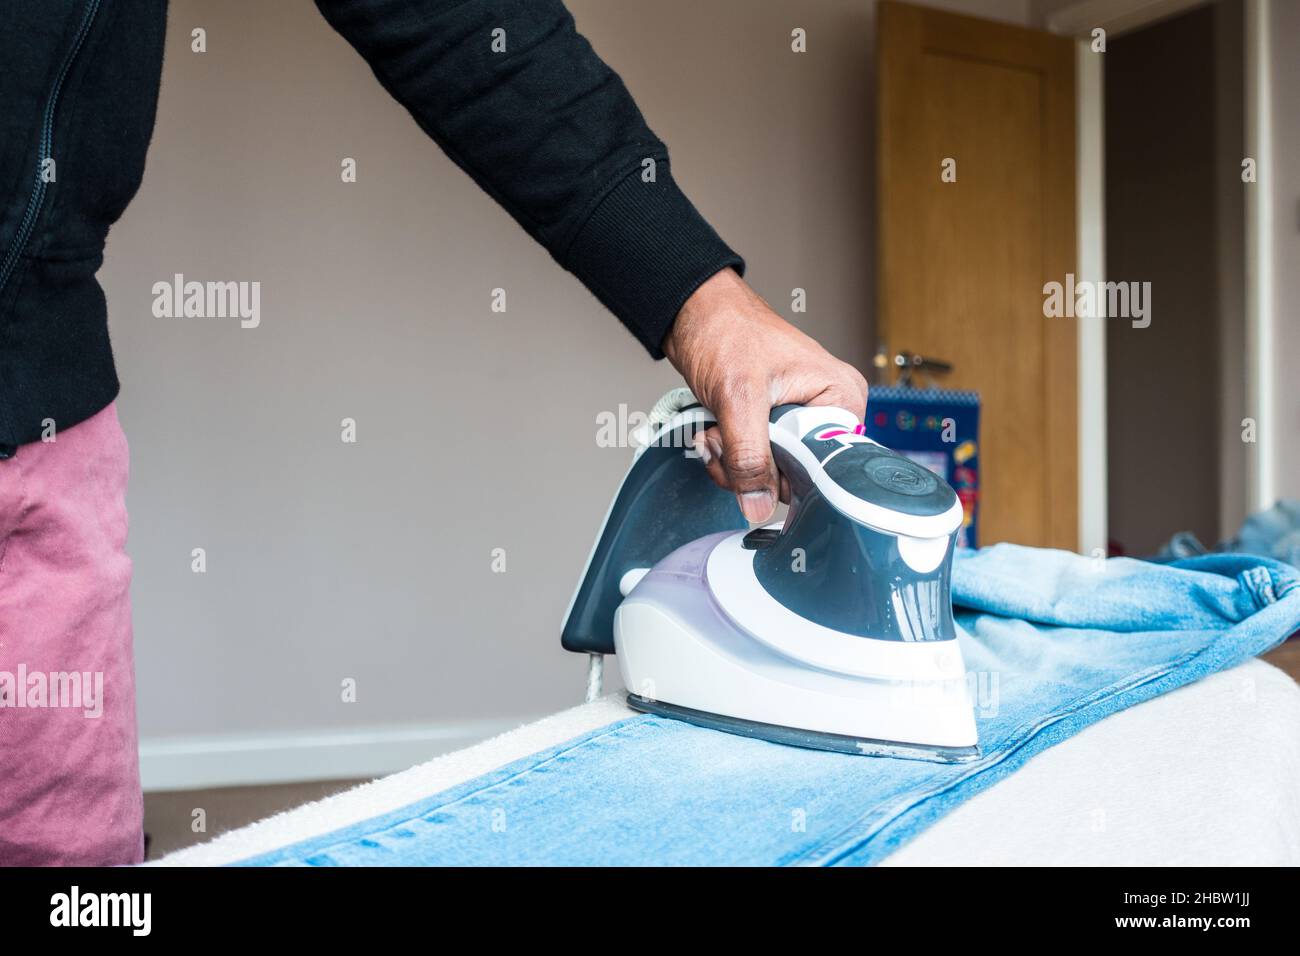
746	462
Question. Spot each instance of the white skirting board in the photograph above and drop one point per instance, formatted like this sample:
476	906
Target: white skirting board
190	763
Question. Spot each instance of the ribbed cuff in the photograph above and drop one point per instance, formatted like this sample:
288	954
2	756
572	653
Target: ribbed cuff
644	250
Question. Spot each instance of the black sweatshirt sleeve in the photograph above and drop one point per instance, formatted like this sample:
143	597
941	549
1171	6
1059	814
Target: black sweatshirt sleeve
550	131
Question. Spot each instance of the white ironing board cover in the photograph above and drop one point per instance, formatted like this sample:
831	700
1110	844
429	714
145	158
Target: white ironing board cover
1206	775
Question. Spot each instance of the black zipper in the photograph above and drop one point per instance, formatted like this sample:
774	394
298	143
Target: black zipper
46	149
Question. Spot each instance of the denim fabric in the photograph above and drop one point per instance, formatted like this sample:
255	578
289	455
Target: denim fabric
1053	641
1274	533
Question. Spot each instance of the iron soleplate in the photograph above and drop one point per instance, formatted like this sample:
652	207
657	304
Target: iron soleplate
807	739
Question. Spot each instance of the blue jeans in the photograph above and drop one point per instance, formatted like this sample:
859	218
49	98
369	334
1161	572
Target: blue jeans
1274	533
1053	642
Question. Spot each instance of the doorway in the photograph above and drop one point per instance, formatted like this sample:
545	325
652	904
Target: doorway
1174	213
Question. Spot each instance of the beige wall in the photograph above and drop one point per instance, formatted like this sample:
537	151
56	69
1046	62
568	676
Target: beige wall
328	561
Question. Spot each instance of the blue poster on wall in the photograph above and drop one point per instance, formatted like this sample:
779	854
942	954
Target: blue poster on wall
936	428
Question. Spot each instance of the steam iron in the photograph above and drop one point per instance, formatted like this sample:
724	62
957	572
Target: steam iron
832	630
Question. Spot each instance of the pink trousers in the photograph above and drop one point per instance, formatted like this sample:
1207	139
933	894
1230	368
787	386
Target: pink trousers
69	771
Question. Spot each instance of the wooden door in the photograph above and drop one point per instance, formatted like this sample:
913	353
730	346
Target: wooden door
962	263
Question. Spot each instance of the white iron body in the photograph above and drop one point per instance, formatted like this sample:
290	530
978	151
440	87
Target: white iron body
855	651
677	646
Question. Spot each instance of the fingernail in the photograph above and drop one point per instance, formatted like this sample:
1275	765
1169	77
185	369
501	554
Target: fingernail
715	446
701	446
758	506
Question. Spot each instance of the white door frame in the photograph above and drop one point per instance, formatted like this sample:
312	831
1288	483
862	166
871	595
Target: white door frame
1090	220
1261	254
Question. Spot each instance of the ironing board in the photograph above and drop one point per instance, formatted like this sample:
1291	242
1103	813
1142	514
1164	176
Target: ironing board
1191	777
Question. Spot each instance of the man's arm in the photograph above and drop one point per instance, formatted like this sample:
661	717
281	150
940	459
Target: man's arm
520	101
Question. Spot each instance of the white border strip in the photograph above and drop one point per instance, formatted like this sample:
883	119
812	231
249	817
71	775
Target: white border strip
190	763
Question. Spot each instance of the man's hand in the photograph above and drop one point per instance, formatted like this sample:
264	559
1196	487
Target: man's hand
740	359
